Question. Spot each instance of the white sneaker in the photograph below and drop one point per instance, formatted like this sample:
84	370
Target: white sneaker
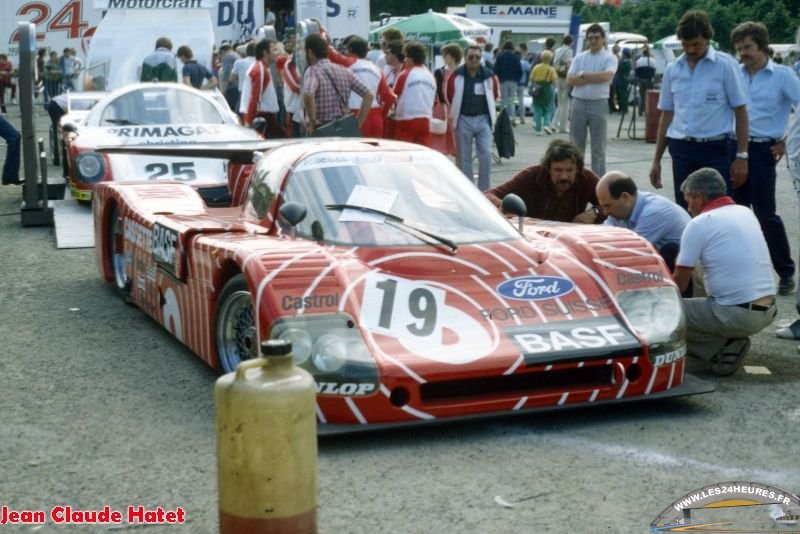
547	130
539	134
14	101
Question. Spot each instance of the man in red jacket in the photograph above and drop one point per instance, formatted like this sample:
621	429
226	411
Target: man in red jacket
263	96
373	78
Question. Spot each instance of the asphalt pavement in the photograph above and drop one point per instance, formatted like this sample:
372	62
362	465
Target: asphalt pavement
102	407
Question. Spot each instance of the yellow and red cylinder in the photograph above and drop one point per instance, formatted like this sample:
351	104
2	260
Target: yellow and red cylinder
267	445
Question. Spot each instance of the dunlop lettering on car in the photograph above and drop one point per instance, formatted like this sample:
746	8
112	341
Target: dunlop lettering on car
164	248
668	357
535	287
569	340
347	389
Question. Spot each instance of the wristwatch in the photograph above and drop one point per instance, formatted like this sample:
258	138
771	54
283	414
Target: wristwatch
742	155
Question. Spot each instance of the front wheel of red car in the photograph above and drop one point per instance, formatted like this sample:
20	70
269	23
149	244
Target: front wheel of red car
234	325
116	255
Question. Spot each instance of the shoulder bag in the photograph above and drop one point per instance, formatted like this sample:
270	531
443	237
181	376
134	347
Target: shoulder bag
346	126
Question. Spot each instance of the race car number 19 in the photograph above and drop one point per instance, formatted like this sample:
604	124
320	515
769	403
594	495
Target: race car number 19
416	314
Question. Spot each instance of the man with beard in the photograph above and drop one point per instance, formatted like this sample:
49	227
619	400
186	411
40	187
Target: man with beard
557	189
702	93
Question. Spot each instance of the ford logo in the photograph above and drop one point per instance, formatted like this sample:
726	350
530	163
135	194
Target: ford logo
535	287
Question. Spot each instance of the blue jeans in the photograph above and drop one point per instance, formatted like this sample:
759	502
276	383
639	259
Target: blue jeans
759	192
12	138
476	127
688	157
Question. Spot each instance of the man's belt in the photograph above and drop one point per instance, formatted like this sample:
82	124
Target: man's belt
763	304
763	140
705	139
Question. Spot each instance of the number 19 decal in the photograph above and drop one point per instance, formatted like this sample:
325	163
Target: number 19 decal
403	307
415	313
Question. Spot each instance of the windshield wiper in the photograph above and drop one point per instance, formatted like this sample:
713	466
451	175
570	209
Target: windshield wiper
401	224
123	122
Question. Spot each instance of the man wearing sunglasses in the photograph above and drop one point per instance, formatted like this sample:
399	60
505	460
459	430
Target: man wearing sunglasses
472	91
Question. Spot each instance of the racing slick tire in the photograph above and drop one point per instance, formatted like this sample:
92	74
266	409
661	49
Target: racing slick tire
116	256
235	333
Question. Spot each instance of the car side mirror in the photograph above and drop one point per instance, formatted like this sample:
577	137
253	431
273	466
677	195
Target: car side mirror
70	127
260	125
292	213
514	205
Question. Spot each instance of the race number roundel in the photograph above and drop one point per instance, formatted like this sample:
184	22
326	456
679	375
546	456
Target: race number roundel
418	316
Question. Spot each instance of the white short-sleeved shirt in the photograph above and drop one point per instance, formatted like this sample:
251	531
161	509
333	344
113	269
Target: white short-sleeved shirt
602	61
729	243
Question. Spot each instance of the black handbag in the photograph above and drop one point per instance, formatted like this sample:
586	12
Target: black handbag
346	126
343	127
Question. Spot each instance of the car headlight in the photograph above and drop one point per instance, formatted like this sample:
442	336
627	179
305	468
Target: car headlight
90	166
330	353
301	344
656	313
331	348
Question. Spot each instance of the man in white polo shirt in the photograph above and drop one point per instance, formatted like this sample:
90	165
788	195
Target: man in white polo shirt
727	239
590	76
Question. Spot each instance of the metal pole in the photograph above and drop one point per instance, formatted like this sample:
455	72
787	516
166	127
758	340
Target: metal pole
34	212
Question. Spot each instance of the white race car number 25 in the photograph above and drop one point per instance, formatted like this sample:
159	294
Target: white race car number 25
417	315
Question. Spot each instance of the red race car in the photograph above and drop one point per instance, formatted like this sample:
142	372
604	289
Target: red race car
402	289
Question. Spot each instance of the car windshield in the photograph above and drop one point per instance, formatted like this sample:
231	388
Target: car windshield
160	105
392	198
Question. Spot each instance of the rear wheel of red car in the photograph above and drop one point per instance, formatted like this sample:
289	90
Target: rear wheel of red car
116	255
234	325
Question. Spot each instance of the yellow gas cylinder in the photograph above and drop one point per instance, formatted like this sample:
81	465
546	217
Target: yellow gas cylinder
267	445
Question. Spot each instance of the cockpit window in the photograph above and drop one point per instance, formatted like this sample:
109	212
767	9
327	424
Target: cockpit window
394	198
160	105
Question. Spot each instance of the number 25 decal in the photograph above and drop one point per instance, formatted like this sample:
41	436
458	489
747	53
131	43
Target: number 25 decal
181	171
415	313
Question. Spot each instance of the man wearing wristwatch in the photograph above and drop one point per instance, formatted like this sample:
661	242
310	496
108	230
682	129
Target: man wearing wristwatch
774	89
701	94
